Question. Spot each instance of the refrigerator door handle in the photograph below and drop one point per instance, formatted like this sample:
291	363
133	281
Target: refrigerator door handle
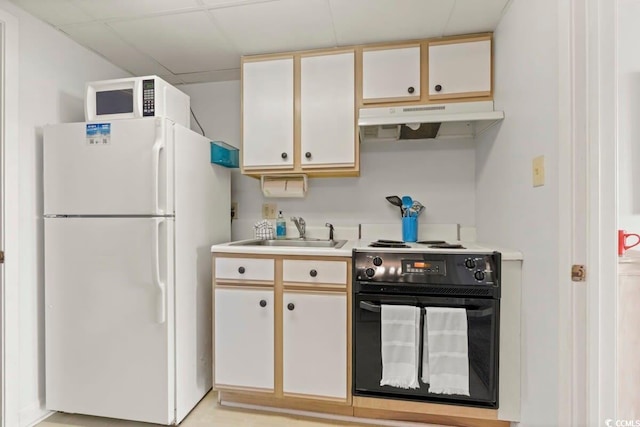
162	287
158	146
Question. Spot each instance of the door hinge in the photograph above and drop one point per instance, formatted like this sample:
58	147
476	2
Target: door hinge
1	257
578	273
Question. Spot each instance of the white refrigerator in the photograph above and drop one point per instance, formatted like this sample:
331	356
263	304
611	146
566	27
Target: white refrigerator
131	210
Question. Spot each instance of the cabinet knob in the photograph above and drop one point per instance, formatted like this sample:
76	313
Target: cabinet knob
411	89
263	303
438	88
290	306
313	273
241	270
283	155
307	154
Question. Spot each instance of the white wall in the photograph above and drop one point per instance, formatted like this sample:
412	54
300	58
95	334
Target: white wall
509	211
628	114
440	174
53	70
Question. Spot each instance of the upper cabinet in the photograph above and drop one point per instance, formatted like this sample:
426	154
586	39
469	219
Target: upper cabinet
327	110
299	114
391	74
267	114
460	68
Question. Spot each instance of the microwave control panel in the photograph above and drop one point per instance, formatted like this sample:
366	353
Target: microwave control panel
148	98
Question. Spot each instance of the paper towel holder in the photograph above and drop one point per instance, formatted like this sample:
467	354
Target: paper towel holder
284	185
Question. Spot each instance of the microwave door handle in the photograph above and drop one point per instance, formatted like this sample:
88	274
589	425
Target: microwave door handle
374	308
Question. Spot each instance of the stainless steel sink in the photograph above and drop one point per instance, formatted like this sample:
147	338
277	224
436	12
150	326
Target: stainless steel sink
299	243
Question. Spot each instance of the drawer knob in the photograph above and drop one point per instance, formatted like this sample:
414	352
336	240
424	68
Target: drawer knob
307	154
411	89
291	306
283	155
438	88
263	303
313	273
241	270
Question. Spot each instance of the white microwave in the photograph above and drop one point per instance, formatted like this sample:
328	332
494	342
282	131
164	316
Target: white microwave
135	97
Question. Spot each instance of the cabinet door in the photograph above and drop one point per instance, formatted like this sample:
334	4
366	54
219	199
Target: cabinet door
391	74
459	70
327	110
315	344
267	114
244	337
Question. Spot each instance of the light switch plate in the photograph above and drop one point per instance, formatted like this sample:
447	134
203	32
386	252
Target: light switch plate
269	210
538	171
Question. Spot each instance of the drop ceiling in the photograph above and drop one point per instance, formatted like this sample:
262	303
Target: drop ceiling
192	41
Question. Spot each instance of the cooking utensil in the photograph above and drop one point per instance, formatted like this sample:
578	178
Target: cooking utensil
396	201
416	208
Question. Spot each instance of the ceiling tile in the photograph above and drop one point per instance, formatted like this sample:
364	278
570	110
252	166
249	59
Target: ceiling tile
183	43
170	78
101	39
226	3
211	76
131	8
277	26
473	16
371	21
56	13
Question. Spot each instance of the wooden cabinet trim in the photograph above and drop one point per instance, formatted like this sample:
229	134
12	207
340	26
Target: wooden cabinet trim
393	100
460	39
314	288
262	391
389	46
425	408
228	284
461	95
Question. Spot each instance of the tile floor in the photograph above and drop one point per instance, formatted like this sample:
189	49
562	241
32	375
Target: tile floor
207	413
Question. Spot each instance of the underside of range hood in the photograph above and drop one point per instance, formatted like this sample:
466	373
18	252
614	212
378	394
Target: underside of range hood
439	121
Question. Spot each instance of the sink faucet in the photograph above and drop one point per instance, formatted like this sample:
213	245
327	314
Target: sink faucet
330	230
300	225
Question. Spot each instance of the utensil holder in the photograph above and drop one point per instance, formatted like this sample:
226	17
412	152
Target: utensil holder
410	228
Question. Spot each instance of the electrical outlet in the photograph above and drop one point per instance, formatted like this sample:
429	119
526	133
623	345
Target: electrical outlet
538	171
269	210
234	210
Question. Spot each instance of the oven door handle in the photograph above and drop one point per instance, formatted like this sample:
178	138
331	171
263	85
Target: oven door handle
375	308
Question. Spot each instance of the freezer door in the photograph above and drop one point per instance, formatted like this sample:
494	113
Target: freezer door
124	167
109	334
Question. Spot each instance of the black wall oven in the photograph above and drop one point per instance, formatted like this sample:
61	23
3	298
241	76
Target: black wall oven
427	279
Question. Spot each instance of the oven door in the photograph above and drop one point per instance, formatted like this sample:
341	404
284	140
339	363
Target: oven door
483	333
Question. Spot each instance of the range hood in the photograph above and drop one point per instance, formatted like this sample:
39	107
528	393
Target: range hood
440	121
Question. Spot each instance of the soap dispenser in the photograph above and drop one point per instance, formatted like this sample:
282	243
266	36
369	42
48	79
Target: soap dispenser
281	226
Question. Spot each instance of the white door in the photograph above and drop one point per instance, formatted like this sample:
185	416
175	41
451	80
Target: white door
327	110
244	347
128	171
459	69
315	344
391	74
267	114
108	323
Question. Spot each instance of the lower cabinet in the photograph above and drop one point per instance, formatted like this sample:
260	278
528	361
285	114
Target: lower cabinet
244	338
281	328
314	341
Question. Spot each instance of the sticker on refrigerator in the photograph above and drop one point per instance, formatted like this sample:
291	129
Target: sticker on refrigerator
99	133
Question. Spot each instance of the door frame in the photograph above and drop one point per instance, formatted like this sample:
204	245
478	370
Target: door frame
9	286
588	211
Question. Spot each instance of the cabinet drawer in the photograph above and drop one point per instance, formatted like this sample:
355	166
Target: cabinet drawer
313	271
245	269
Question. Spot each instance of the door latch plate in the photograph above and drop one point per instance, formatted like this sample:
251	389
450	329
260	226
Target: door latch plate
578	273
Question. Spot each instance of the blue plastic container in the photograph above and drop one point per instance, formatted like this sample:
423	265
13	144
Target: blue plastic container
224	154
410	228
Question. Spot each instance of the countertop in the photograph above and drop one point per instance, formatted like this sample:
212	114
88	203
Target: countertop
347	249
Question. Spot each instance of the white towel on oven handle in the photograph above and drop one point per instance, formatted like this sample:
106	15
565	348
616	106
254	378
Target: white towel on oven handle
400	345
445	351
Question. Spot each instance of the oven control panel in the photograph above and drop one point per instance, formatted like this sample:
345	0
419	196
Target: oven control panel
427	268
